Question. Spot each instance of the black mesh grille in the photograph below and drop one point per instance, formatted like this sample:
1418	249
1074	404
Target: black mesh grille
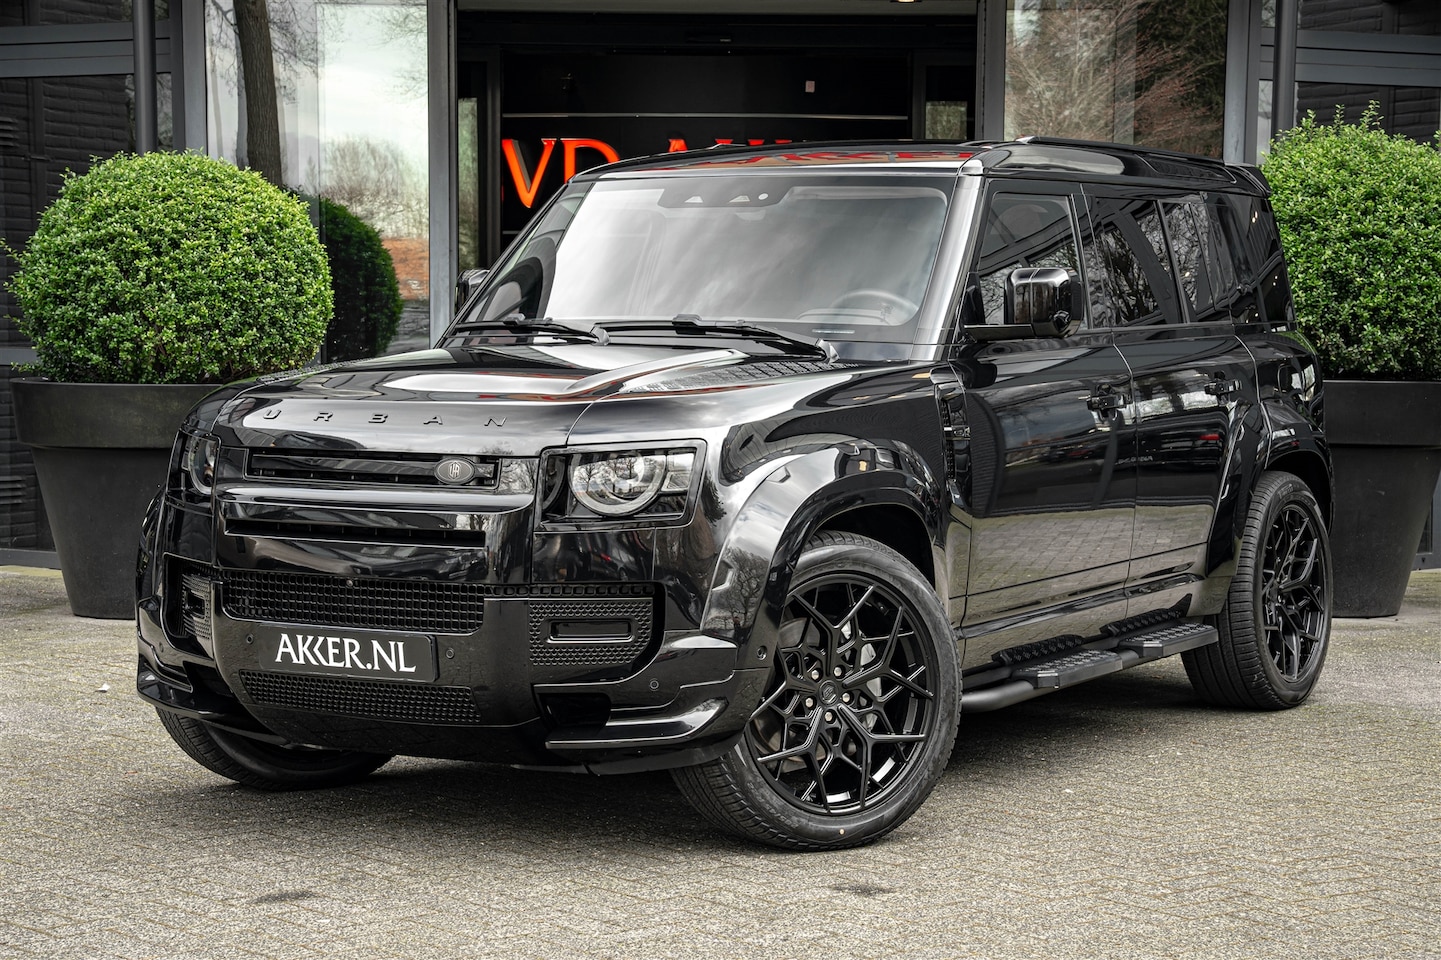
415	606
375	699
195	607
598	652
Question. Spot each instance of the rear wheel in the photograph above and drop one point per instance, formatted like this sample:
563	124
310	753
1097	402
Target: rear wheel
860	714
267	766
1276	623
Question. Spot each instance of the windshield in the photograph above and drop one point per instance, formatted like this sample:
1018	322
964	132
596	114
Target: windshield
832	256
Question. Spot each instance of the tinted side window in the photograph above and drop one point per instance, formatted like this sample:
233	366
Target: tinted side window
1204	265
1244	221
1127	271
1265	269
1021	230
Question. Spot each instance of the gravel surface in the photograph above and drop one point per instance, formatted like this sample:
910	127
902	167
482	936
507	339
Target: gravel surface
1120	819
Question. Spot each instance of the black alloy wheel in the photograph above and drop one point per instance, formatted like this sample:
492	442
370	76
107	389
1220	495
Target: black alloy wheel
1294	593
860	715
851	703
1276	624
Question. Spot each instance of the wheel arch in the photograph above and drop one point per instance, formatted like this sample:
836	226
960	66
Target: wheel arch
896	504
893	524
1313	470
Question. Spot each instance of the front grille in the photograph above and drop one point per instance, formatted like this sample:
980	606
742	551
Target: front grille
373	699
365	467
412	606
633	616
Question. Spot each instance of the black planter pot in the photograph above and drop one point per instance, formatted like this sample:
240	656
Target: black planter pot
101	452
1385	441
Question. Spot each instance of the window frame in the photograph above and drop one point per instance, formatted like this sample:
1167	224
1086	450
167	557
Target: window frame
967	301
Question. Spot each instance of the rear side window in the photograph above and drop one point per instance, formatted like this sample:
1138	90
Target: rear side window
1205	266
1022	230
1262	272
1127	270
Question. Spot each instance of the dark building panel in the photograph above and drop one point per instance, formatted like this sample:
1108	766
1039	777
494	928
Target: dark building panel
1413	111
52	125
1415	18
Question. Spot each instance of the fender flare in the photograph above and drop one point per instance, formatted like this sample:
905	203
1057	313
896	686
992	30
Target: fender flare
754	566
1284	442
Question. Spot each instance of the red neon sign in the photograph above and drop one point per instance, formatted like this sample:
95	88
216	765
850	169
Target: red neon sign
527	184
527	181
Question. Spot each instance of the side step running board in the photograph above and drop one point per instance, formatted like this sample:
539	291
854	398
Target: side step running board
1035	677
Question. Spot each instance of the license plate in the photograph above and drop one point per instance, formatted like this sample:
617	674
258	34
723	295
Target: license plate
340	652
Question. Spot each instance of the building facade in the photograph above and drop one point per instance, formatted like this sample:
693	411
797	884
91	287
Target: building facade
443	123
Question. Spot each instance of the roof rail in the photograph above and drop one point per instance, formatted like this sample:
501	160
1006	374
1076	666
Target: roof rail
1126	148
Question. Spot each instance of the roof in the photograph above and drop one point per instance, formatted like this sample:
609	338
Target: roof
1028	155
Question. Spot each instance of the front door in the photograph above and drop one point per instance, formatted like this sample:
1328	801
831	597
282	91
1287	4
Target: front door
1043	480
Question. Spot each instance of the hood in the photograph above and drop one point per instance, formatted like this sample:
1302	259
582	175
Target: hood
512	400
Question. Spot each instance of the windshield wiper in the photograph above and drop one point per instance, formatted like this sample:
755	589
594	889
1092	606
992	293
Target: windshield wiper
519	323
745	329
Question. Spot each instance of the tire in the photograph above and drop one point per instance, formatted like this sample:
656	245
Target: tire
860	715
266	766
1276	623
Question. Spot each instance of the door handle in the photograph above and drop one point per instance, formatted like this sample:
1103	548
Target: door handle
1223	387
1104	401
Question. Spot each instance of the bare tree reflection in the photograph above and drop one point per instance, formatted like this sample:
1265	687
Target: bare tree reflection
274	39
1107	70
379	183
257	60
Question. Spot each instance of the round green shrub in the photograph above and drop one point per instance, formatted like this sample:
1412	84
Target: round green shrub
1360	219
171	268
362	274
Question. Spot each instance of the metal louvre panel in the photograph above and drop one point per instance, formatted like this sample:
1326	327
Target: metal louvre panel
376	699
741	373
417	606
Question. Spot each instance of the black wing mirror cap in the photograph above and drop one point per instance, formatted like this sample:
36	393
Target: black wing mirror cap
1046	300
469	282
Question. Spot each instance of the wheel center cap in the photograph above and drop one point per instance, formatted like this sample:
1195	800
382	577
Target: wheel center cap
830	692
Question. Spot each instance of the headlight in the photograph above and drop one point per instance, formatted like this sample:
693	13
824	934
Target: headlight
200	456
646	484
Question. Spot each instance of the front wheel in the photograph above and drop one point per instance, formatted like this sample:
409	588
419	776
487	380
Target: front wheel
859	717
1276	624
267	766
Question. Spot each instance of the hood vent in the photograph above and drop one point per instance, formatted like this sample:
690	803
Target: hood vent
737	374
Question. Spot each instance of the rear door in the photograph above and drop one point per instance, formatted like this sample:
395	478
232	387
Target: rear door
1164	277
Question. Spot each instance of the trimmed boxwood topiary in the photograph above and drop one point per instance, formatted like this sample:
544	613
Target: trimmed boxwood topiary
1360	218
367	295
171	268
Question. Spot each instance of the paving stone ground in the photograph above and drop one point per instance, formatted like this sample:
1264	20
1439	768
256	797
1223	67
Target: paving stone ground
1118	820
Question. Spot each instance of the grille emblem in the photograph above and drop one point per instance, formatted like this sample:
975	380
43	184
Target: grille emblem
455	470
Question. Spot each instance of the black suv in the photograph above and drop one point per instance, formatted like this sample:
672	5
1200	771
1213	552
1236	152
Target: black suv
763	465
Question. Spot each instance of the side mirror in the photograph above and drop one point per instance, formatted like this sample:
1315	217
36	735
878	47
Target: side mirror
470	281
1047	299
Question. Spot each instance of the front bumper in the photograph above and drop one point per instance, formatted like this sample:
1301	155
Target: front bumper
577	674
